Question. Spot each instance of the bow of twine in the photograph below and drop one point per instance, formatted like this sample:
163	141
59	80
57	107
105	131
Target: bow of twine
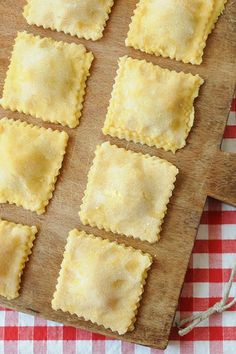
219	307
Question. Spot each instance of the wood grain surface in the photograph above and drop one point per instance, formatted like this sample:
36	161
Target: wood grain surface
204	170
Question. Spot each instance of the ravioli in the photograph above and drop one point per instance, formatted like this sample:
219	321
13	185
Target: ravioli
127	193
81	18
47	79
30	161
177	29
101	281
16	243
151	105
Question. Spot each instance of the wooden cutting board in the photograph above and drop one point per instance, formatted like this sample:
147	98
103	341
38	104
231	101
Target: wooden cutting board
204	170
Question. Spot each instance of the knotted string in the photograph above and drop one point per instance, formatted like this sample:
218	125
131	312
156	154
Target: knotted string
219	307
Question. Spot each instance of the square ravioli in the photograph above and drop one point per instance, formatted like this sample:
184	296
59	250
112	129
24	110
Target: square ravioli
101	281
151	105
30	160
127	192
177	29
47	79
81	18
16	243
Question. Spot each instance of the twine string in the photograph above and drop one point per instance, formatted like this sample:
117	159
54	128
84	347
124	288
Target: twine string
219	307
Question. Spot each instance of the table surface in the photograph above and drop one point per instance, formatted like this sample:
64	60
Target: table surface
209	268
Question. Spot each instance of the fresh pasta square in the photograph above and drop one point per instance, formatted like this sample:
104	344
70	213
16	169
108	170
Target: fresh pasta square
127	193
174	28
30	160
151	105
81	18
47	79
16	243
101	281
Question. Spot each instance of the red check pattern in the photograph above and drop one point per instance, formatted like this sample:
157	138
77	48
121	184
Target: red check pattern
210	265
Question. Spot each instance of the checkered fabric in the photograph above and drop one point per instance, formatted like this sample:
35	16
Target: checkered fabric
213	256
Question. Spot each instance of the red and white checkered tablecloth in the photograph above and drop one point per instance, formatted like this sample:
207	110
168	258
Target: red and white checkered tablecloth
212	259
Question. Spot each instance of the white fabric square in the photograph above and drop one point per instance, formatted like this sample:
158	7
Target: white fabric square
200	260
